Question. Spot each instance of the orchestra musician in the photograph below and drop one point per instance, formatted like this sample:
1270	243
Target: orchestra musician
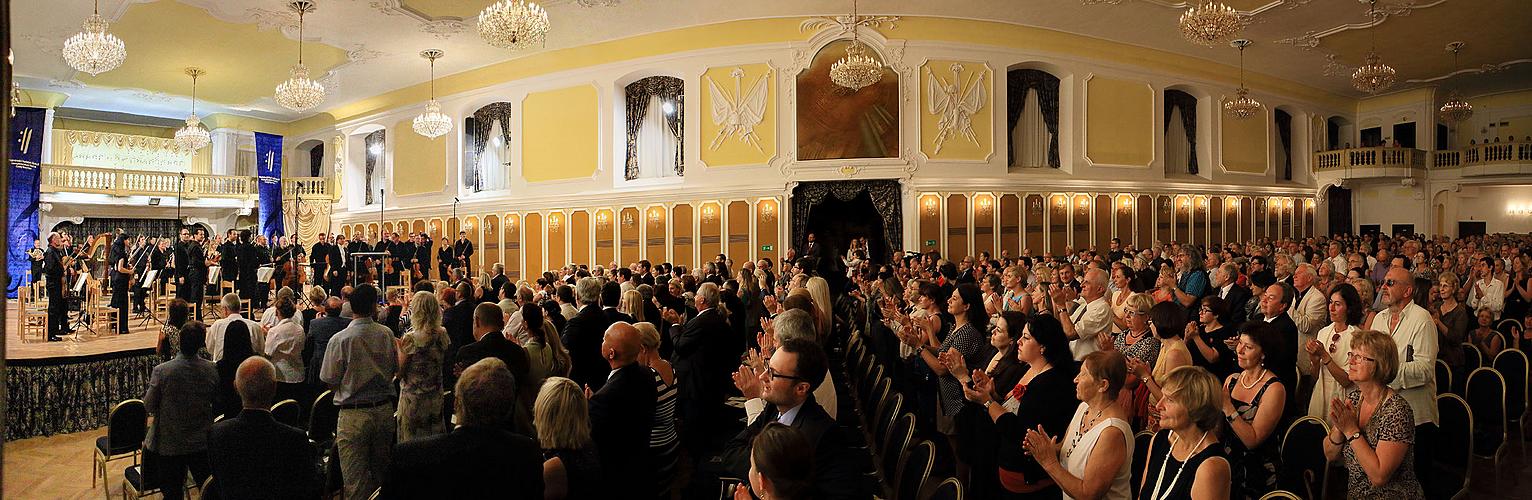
340	266
320	253
244	264
55	259
402	252
421	265
195	284
228	258
36	256
444	260
463	250
139	260
262	258
121	273
178	262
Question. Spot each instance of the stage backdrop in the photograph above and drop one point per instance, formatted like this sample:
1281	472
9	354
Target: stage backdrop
268	175
26	154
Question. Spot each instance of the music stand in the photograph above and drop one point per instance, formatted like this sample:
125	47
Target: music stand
149	281
356	267
82	319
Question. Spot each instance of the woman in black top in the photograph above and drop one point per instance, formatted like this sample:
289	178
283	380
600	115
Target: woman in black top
1004	332
1039	397
236	348
1185	459
1207	338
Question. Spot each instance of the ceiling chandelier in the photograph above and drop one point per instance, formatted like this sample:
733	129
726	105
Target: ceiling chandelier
94	50
299	92
1242	106
1456	109
193	136
514	24
857	69
1374	76
432	123
1210	23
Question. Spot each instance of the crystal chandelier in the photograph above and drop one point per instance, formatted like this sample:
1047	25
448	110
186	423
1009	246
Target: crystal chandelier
432	123
94	50
1242	106
857	69
514	24
299	92
1374	76
1456	109
1210	23
193	136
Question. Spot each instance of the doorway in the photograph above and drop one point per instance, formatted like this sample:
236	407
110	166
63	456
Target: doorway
838	211
1468	228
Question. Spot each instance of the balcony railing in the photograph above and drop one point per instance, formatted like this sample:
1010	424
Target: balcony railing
1472	156
117	182
1369	157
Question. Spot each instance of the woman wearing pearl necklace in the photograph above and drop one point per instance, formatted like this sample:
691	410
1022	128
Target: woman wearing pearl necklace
1092	462
1185	457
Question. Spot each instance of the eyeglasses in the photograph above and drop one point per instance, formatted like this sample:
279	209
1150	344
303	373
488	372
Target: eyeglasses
1352	356
771	372
1205	309
1334	343
1133	312
1390	282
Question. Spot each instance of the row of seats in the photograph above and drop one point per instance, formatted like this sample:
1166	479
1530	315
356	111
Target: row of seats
903	466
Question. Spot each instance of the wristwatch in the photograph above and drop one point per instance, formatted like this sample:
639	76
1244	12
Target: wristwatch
1354	436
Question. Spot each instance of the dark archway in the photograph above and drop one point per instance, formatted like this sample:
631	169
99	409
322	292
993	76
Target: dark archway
837	211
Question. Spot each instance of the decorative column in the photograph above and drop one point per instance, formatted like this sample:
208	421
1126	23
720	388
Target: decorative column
225	151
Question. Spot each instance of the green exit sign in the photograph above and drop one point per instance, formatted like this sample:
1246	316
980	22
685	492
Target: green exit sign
930	243
766	248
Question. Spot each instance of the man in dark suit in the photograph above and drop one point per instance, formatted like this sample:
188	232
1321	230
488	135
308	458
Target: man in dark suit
488	321
793	372
479	459
583	333
319	333
703	361
1235	296
458	320
611	296
1274	304
622	412
253	455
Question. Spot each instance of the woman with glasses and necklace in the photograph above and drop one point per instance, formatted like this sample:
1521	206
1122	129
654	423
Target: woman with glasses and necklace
1329	348
1372	428
1139	343
1185	458
1207	338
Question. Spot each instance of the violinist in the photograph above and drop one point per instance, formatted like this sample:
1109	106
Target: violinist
402	252
195	284
463	250
444	260
420	265
160	260
140	264
55	259
121	273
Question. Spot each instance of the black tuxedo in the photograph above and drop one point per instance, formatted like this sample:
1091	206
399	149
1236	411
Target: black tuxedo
469	462
621	414
703	358
613	316
458	320
444	260
254	456
1237	298
837	474
582	338
463	249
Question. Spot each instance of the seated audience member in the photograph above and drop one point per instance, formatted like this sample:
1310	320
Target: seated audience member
216	332
1379	456
781	465
421	353
1192	464
1094	462
181	398
284	346
794	371
622	412
253	455
571	464
478	459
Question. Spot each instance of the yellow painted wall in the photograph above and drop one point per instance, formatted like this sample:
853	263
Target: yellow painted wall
957	146
1119	122
1414	96
733	150
420	164
1244	143
559	133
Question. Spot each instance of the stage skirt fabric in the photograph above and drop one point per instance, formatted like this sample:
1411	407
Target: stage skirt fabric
61	395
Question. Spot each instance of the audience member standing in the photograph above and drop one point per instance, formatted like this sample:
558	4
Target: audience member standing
216	333
321	330
359	365
583	333
664	442
781	465
1414	335
421	353
571	463
488	322
702	362
1253	404
180	397
284	346
1185	459
237	347
1093	461
622	412
1380	455
252	454
1091	318
1328	351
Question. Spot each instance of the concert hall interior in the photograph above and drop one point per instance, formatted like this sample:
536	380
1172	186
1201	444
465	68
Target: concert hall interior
343	248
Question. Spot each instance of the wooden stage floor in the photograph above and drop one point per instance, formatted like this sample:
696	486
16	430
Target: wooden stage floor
103	342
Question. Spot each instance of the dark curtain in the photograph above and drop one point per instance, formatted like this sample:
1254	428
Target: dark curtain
372	142
1188	104
638	94
96	225
886	197
1340	209
1285	133
1017	83
483	121
316	161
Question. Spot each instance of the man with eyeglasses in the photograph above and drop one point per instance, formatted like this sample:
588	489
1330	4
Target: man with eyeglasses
1274	306
1092	315
1414	333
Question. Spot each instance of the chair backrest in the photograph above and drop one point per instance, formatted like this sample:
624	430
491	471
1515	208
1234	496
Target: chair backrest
288	412
948	489
1443	377
1303	457
1140	454
322	419
1454	443
914	469
209	489
1472	358
886	418
1512	365
867	386
1281	495
126	426
1485	393
1508	325
899	437
878	398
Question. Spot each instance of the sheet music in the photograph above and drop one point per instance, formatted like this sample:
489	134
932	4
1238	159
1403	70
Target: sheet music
149	278
263	274
79	284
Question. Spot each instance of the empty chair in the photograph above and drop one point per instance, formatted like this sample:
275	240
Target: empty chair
899	437
1443	377
1512	365
887	415
126	426
1303	463
133	480
1280	495
948	489
1451	462
322	420
1485	393
288	412
1472	357
914	469
1140	455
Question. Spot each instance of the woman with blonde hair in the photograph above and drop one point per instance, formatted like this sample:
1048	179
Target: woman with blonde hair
571	465
1016	297
1185	459
819	290
664	442
1372	428
633	305
421	353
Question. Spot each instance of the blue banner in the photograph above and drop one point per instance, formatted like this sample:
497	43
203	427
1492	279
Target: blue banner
26	158
268	179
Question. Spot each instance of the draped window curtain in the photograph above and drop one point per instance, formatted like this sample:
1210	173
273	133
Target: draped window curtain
1175	101
1177	147
489	134
316	161
374	180
1285	133
655	138
1021	85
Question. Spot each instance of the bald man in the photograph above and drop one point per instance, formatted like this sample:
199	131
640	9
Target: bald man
622	412
252	454
1414	333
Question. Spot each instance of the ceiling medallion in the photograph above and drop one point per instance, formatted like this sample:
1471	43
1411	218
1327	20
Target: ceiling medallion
94	50
432	123
1374	76
1209	23
514	24
1242	106
856	70
193	136
299	92
1456	109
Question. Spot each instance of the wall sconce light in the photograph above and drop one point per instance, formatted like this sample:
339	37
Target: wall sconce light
1287	203
602	219
627	220
1037	207
768	210
984	206
510	223
1058	201
553	221
1084	206
1519	210
709	214
929	203
655	215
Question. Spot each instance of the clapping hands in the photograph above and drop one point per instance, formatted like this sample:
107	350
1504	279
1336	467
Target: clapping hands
1042	447
979	388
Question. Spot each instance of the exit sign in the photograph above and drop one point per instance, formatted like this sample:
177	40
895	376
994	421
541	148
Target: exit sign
930	243
766	248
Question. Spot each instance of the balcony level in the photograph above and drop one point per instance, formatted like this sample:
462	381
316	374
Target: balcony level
1485	160
120	183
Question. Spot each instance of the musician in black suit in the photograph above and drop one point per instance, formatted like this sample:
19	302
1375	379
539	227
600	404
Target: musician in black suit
160	260
478	459
178	262
53	267
196	275
262	257
121	271
794	371
140	262
444	259
463	250
703	361
421	260
583	333
245	262
320	262
622	412
253	455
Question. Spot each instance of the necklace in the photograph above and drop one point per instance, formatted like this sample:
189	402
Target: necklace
1084	428
1171	455
1260	375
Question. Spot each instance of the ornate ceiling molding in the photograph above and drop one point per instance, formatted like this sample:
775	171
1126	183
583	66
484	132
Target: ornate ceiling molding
1311	39
1481	70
